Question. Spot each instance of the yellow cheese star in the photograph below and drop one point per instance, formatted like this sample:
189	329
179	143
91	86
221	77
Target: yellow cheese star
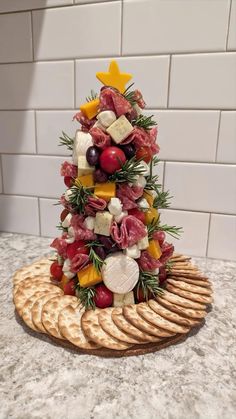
114	77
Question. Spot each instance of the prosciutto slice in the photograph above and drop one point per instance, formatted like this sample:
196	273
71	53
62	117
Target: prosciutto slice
78	262
111	99
69	169
128	195
147	262
94	204
100	139
129	232
80	231
60	245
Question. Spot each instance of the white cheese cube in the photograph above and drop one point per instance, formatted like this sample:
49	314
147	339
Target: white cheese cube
145	168
89	222
120	300
83	167
99	125
71	235
120	129
66	269
115	206
155	271
103	222
106	118
143	243
83	140
66	222
137	109
68	194
143	203
141	181
119	218
133	252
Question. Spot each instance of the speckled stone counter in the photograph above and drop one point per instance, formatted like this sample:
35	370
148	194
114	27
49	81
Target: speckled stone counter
194	379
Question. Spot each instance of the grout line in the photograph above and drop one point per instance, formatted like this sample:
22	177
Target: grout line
74	84
39	217
218	136
227	34
121	27
1	172
164	176
35	133
208	234
168	86
32	34
152	108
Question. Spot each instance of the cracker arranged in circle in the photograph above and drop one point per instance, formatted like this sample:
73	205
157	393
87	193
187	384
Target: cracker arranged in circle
28	281
108	325
26	292
181	301
170	315
131	314
95	332
190	295
189	274
148	314
30	272
51	311
186	268
189	287
36	311
199	282
69	323
183	311
177	257
120	320
26	310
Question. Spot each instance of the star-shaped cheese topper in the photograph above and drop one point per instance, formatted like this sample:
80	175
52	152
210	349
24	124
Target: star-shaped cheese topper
114	77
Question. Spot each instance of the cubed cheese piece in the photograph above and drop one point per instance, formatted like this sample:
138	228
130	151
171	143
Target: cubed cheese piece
143	243
106	118
66	222
145	168
103	222
105	190
89	276
85	180
115	206
83	167
133	252
137	109
149	197
151	215
66	269
89	222
143	203
83	140
120	129
99	125
120	300
68	194
154	249
71	235
90	109
140	181
119	218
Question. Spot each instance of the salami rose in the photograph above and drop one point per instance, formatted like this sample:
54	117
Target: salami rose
142	138
111	99
128	195
69	169
60	245
100	139
129	232
94	204
78	262
80	231
167	251
147	262
84	121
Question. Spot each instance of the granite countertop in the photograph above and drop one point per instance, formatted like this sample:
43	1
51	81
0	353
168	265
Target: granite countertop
194	379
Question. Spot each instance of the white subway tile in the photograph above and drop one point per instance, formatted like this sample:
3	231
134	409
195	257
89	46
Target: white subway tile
174	26
187	135
0	175
222	238
91	1
193	240
15	5
16	38
232	27
203	81
19	214
49	217
81	31
159	170
41	85
17	132
32	175
150	75
50	125
227	138
202	187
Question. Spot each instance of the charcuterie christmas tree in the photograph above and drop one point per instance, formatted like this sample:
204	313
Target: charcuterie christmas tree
113	249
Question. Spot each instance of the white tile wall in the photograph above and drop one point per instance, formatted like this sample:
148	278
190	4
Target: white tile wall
183	58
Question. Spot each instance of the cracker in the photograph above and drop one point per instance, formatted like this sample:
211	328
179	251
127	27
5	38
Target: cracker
28	281
69	323
108	325
189	287
189	274
183	302
186	268
95	332
26	292
179	258
148	314
190	295
30	272
26	310
183	311
51	311
36	311
170	315
131	314
200	282
120	320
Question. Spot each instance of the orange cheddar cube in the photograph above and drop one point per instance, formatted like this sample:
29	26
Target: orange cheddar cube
89	276
148	196
151	215
86	180
105	190
154	249
90	109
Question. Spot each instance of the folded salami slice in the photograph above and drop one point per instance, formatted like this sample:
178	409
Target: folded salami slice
129	232
100	138
112	100
128	195
80	231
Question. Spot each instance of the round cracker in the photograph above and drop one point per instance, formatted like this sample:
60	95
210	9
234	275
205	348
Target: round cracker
108	325
131	314
26	310
69	323
189	274
170	315
120	320
189	287
26	292
30	272
183	302
28	281
190	295
36	311
148	314
198	282
51	311
183	311
95	332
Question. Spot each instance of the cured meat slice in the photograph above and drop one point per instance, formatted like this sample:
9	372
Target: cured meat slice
80	231
138	97
100	139
60	245
111	99
167	251
128	195
140	137
129	232
84	121
147	262
69	169
94	204
78	262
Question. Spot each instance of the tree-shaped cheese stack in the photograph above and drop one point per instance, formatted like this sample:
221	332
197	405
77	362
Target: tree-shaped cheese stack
113	248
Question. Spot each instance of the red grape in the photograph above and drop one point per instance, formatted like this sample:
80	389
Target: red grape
103	297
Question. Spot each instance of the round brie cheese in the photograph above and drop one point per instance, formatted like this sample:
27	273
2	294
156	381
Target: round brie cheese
120	273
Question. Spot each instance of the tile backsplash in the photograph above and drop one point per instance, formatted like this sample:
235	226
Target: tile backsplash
182	55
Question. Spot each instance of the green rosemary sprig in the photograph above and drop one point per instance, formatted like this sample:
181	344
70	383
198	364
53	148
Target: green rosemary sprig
86	296
169	265
93	243
67	141
145	122
60	227
128	172
96	260
79	197
148	283
93	96
156	226
130	95
162	200
152	184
